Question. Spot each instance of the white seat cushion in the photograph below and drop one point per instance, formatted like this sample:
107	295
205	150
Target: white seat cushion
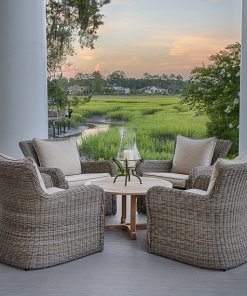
197	191
190	153
59	154
81	179
178	180
52	190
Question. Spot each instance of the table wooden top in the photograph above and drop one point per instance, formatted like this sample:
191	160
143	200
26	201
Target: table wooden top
133	187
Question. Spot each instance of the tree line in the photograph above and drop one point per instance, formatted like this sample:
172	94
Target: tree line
117	83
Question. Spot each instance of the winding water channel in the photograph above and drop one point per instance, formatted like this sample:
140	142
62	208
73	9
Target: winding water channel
97	128
93	125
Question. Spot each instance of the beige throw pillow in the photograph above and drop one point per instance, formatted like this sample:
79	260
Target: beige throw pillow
190	153
59	154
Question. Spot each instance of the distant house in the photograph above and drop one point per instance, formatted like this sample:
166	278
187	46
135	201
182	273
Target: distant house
155	90
76	89
121	90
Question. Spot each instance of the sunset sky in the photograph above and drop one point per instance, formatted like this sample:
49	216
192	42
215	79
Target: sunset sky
159	36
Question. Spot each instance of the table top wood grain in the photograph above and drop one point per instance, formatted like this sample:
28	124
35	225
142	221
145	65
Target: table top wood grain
133	186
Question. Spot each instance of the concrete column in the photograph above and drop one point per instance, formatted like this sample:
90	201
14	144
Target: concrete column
243	84
23	79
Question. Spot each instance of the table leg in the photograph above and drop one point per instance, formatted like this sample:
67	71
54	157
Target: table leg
132	231
123	218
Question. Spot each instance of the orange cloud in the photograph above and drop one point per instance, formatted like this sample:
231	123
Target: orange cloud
196	47
159	54
97	68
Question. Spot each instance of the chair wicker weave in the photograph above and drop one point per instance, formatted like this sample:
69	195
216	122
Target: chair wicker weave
221	150
58	177
209	230
37	229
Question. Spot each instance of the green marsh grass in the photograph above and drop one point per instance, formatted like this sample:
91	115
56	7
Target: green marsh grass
158	121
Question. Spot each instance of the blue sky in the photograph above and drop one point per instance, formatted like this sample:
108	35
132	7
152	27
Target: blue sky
159	36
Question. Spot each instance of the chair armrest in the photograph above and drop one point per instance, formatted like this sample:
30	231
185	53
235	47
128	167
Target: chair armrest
57	177
83	192
198	171
164	201
47	180
105	166
154	166
202	182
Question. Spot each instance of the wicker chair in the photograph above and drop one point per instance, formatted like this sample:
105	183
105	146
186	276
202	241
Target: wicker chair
209	230
221	150
38	229
88	167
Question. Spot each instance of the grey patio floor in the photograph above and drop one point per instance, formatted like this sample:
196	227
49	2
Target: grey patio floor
123	268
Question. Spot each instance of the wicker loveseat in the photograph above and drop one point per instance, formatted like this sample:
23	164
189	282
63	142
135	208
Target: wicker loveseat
43	228
162	169
206	229
89	170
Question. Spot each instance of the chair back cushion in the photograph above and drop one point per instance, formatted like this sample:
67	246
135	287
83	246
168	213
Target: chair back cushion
40	179
4	157
242	158
190	153
59	154
28	160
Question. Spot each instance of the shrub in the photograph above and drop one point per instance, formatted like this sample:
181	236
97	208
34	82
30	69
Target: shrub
215	91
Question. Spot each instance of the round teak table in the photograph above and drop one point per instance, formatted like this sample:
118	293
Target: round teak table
133	189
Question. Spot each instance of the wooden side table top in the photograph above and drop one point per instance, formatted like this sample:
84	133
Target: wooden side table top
133	186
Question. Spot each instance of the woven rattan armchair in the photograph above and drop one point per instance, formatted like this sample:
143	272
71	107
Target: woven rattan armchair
221	150
38	229
87	167
208	230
